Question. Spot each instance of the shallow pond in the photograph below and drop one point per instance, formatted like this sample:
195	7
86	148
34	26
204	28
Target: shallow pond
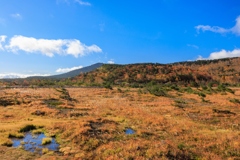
33	143
129	131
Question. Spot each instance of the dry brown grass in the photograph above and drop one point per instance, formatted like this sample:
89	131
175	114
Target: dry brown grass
92	127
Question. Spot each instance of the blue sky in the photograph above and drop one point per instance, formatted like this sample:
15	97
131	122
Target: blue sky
45	37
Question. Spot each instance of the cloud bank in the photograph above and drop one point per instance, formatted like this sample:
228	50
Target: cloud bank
83	3
111	62
50	47
62	70
235	29
17	75
222	54
2	40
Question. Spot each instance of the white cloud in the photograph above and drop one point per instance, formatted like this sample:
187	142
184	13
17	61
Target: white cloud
110	62
83	3
16	16
2	40
17	75
31	45
192	45
200	58
222	54
75	48
215	29
49	47
62	70
235	29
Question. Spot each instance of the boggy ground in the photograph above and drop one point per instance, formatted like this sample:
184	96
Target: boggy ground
90	123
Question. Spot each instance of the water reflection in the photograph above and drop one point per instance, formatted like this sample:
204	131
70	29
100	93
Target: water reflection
33	143
129	131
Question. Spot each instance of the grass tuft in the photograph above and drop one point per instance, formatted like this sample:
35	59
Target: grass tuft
37	131
16	135
7	143
28	127
45	150
46	141
234	100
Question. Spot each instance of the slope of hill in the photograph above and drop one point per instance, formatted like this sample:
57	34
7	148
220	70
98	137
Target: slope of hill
71	73
205	71
192	73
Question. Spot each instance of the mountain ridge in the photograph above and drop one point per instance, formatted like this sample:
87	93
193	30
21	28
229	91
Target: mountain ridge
225	70
199	72
69	74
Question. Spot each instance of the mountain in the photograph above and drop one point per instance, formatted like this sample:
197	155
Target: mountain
192	73
71	73
183	73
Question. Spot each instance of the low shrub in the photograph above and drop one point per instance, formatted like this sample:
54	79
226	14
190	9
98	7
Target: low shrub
224	88
27	128
46	140
223	111
15	135
188	90
37	131
175	87
7	143
201	94
45	150
234	100
108	85
157	91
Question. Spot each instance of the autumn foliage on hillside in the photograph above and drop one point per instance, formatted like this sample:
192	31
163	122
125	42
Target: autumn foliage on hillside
194	73
185	73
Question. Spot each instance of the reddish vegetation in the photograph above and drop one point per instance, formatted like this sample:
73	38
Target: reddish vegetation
184	74
170	119
89	123
220	71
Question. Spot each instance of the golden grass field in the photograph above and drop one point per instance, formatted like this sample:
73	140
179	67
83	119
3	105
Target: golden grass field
92	124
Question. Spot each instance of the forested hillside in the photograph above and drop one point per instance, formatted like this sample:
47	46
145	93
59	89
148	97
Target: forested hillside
192	73
184	73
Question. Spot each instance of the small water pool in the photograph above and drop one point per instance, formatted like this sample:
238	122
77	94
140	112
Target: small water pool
129	131
33	143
